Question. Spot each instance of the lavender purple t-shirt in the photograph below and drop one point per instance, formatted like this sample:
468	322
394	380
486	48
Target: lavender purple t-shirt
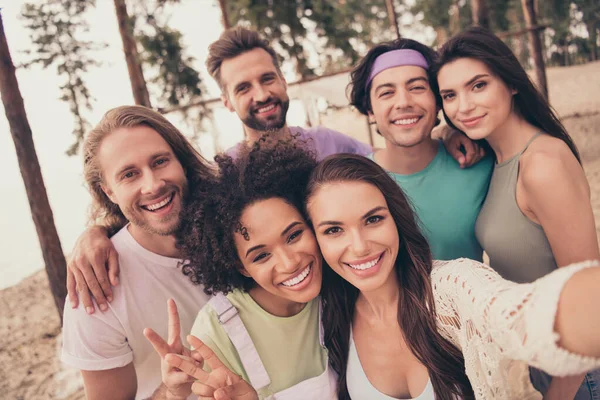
324	141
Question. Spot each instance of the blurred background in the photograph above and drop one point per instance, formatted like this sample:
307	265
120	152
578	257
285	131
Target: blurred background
75	59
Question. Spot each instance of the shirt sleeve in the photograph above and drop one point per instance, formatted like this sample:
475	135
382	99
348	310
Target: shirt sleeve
347	144
94	342
504	320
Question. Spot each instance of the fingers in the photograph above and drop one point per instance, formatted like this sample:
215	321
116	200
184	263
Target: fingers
99	265
87	271
72	289
457	155
83	292
188	366
174	325
113	267
159	344
239	391
207	354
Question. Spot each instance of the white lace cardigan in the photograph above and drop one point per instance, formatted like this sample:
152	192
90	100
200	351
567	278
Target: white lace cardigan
503	327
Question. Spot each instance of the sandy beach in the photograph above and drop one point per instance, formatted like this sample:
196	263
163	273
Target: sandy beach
30	327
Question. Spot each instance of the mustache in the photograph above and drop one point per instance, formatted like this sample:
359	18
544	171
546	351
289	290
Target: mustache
260	104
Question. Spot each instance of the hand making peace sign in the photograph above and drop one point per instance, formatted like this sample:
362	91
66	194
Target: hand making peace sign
220	383
178	383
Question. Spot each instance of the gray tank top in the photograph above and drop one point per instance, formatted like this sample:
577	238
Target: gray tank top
518	247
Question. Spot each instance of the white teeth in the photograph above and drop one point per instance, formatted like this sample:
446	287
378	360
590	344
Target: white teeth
296	280
267	108
366	265
154	207
405	121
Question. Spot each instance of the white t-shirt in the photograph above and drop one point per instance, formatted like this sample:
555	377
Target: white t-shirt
112	339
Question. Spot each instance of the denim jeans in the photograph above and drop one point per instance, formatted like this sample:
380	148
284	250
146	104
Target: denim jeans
589	389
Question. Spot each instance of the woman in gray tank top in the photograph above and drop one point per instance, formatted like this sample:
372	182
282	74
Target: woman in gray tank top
538	211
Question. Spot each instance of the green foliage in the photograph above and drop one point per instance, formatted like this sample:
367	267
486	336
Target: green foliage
175	77
338	31
55	26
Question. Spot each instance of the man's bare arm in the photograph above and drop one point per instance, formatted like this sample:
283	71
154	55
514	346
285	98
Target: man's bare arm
115	384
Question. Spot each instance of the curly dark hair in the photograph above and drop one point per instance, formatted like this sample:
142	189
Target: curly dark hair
270	168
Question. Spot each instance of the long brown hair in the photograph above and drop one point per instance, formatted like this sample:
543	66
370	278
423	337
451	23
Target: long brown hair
416	314
103	210
482	45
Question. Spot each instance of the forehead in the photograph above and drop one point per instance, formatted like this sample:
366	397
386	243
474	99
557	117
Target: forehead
399	75
246	67
130	146
459	71
265	220
341	201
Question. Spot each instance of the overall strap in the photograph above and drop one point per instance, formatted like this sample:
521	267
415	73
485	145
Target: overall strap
233	325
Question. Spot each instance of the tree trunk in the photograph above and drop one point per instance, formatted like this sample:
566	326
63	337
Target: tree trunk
480	13
535	45
593	38
392	17
136	75
224	14
56	267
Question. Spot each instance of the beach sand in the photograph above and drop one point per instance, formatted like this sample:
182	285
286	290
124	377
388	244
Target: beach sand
29	323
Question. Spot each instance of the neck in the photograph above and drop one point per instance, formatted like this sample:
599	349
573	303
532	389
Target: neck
381	303
511	137
253	135
275	305
158	244
407	160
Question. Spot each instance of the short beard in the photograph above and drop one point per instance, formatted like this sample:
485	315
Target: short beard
143	224
269	126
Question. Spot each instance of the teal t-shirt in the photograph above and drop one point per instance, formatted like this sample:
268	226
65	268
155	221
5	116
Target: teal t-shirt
447	200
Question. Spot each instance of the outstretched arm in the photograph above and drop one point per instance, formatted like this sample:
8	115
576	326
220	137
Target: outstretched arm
549	324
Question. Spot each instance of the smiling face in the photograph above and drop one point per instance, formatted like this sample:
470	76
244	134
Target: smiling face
281	255
254	88
144	178
403	105
356	232
477	102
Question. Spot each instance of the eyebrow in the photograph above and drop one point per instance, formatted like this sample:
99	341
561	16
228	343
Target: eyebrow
366	215
289	227
283	233
254	248
152	157
469	82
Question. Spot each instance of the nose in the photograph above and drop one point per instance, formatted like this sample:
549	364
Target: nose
403	99
261	93
360	245
290	260
152	183
465	105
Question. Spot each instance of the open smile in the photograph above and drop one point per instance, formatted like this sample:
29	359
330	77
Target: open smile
407	121
266	110
161	204
300	280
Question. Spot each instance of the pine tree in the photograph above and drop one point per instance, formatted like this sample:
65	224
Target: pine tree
41	212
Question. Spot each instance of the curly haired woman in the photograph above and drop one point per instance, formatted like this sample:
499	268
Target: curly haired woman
251	241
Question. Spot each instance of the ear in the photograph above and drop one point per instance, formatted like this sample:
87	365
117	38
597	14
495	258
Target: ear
109	193
226	102
371	117
244	272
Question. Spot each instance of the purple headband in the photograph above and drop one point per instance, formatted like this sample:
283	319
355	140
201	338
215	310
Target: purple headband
396	58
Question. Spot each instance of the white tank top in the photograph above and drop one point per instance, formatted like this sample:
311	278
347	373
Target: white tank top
360	388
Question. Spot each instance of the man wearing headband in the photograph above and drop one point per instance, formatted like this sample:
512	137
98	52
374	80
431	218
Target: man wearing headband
394	87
